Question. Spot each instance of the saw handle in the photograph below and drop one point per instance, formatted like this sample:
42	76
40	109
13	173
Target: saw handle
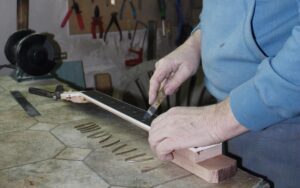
40	92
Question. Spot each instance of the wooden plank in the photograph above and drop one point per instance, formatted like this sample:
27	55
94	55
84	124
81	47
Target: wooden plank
213	170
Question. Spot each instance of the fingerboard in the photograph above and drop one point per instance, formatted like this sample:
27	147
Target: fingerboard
121	106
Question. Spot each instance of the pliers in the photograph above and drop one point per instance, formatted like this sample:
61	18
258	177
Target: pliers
114	19
133	10
44	93
97	21
76	8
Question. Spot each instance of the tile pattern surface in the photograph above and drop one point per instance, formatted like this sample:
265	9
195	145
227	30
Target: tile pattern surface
57	150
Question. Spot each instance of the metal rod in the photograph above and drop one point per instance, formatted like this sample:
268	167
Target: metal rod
128	151
81	125
105	139
118	148
88	127
135	156
91	130
96	134
111	144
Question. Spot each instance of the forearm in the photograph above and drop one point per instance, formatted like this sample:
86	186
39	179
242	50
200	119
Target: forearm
193	46
225	125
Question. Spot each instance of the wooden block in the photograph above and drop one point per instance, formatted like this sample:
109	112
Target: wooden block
201	155
212	170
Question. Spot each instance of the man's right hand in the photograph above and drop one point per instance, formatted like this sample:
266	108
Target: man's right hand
176	67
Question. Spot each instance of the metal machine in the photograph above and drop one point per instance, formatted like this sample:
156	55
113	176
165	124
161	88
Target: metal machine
33	55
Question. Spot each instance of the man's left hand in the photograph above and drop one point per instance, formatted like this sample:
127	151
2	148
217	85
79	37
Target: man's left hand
185	127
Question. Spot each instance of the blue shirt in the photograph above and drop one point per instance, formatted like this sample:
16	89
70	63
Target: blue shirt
251	52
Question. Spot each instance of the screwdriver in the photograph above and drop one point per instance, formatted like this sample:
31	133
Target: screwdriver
153	108
162	10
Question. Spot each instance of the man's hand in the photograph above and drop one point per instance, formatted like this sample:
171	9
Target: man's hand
185	127
176	67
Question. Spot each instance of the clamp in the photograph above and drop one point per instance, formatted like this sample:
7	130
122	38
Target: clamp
97	21
76	8
44	93
114	19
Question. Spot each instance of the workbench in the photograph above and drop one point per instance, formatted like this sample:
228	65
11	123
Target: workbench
48	151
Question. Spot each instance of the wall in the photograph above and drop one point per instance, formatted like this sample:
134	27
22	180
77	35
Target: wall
97	56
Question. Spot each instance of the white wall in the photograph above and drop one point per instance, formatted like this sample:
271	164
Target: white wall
46	15
7	26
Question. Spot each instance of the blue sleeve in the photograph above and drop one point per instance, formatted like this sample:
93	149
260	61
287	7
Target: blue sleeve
273	94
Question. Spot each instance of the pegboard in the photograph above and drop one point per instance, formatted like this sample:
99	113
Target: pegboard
147	11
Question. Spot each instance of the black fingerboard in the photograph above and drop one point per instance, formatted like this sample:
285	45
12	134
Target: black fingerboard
121	106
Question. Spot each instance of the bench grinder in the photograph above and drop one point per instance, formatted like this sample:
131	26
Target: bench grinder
33	55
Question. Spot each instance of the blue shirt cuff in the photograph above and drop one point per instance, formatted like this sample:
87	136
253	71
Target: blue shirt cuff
249	109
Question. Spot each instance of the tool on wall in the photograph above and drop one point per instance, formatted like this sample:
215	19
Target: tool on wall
22	14
75	7
33	54
133	9
140	51
151	48
97	21
140	4
133	14
162	10
183	28
113	20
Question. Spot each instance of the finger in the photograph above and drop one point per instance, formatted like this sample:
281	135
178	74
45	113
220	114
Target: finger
156	135
160	74
164	150
176	80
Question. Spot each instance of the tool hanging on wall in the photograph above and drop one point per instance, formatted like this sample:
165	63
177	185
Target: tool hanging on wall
162	9
75	7
151	48
133	14
183	28
140	4
139	52
97	21
22	14
133	9
113	20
